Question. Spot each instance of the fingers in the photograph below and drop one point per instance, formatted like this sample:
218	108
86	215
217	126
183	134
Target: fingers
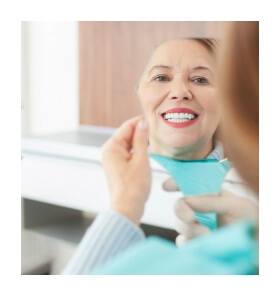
170	185
189	232
229	207
184	212
140	141
199	229
209	203
188	224
124	134
180	240
121	141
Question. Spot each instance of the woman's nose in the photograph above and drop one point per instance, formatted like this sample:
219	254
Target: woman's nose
180	91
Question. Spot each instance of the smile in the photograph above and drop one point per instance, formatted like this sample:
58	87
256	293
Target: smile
179	117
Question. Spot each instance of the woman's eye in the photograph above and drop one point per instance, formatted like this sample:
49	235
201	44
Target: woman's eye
200	80
161	78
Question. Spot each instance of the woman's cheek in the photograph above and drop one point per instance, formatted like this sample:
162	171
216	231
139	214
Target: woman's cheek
149	106
209	100
212	114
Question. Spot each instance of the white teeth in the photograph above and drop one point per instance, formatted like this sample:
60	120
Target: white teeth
178	117
178	120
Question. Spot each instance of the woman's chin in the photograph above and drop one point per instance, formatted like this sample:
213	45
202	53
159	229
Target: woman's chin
176	149
178	144
171	145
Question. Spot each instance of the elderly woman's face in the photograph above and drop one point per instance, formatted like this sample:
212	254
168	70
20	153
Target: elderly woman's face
178	95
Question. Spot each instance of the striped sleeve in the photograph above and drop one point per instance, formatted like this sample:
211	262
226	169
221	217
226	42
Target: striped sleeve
110	234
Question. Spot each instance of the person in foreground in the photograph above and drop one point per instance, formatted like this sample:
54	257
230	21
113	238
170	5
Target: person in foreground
233	248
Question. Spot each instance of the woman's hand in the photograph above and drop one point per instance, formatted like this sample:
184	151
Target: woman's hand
126	164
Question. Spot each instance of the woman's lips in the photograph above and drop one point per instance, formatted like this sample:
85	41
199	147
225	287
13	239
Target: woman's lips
180	124
184	121
180	110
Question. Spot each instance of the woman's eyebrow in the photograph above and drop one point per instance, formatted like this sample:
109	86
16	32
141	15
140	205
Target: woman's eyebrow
202	68
158	67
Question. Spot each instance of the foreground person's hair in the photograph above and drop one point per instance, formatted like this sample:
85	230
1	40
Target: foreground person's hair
239	97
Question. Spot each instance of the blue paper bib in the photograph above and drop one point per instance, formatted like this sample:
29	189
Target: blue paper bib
196	177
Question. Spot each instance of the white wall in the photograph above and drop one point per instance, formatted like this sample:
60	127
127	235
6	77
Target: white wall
50	78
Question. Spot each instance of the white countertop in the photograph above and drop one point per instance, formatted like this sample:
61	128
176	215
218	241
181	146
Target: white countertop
64	169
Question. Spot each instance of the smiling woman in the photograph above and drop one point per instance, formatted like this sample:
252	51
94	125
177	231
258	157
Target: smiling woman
179	98
112	56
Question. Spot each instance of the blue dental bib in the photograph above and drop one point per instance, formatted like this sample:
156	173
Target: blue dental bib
196	177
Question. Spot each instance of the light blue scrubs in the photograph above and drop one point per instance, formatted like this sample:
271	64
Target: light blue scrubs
229	250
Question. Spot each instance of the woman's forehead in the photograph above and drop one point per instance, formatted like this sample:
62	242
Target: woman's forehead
177	52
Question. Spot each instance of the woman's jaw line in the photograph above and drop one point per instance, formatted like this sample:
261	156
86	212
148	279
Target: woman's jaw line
190	152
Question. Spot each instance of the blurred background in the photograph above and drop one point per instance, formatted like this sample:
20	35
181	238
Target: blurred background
78	85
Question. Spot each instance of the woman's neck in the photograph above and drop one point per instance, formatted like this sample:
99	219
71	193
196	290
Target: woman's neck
183	153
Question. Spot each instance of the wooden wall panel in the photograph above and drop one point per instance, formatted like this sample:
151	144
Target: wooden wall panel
112	58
